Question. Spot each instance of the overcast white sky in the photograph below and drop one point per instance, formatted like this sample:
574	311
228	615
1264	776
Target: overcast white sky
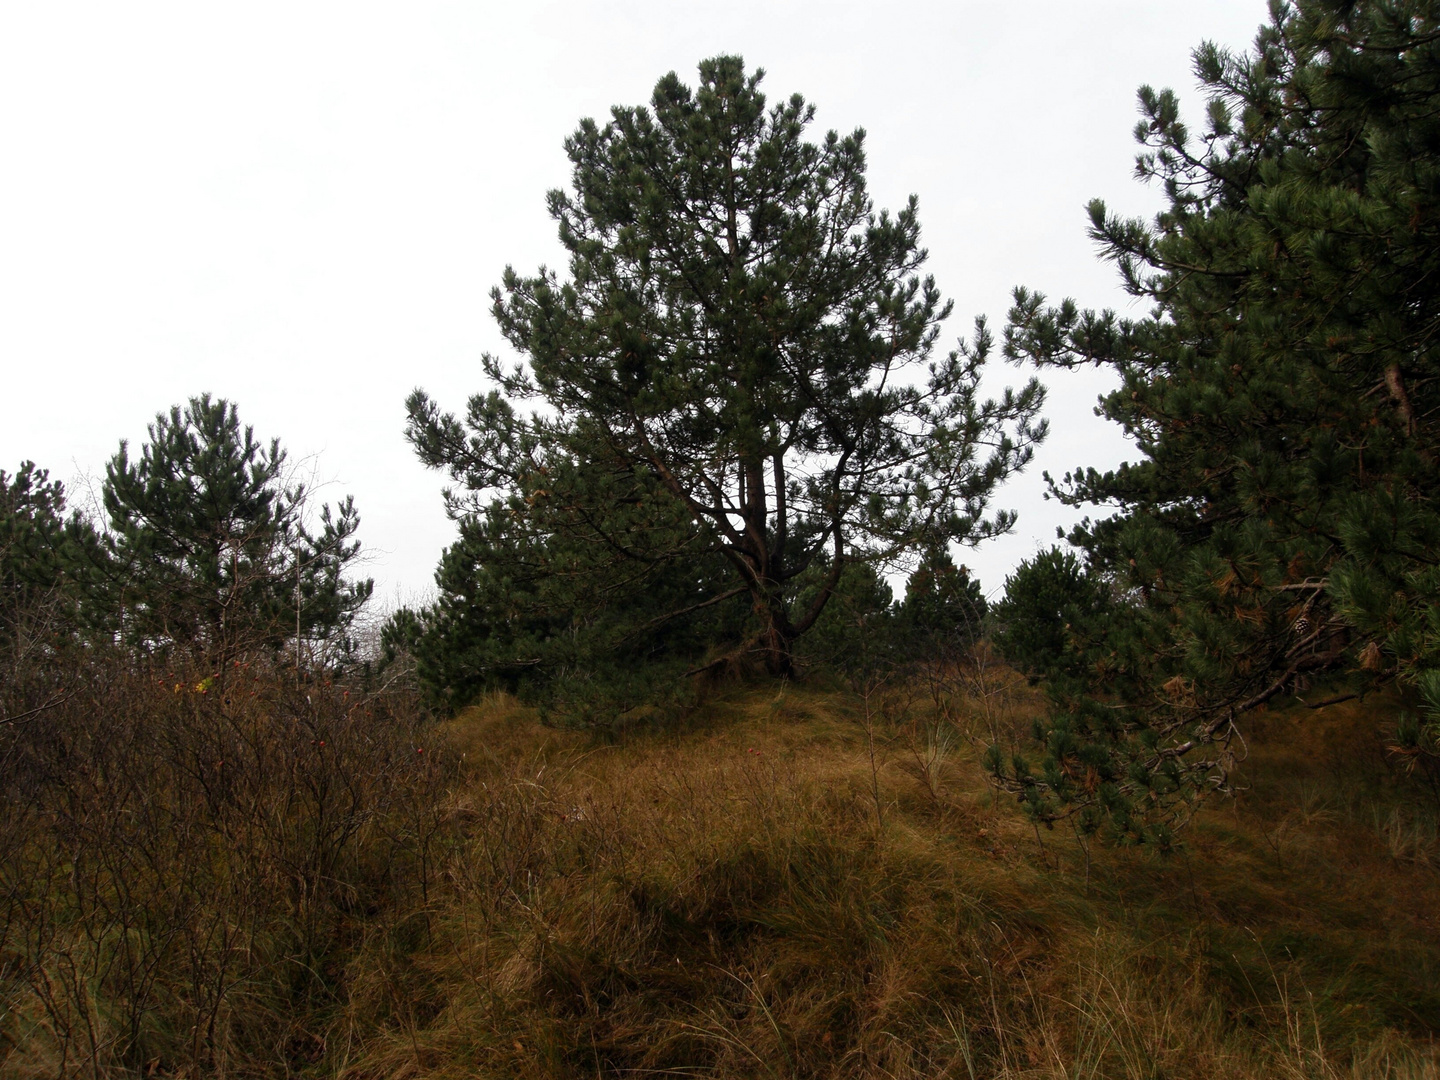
303	206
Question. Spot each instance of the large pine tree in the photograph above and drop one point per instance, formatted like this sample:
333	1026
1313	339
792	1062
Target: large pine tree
747	345
1280	524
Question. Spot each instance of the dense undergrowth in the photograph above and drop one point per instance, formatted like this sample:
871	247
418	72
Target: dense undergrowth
188	860
797	882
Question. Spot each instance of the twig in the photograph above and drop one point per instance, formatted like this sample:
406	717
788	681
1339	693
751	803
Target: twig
30	714
1328	701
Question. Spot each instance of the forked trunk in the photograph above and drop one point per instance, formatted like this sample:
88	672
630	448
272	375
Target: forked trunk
779	661
777	637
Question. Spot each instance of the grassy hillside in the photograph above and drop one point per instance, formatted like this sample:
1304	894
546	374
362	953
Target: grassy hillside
796	885
263	879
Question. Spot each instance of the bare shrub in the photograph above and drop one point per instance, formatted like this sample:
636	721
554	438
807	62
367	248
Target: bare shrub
187	855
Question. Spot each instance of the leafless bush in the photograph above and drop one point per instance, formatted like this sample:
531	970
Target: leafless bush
186	855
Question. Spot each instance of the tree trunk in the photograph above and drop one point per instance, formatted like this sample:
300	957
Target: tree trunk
777	636
1395	383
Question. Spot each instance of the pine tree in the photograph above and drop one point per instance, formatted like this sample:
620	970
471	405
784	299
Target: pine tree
858	630
1280	522
582	591
742	335
942	601
34	537
46	559
1050	602
209	549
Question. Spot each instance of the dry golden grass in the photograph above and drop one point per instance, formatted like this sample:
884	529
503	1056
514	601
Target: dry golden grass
760	896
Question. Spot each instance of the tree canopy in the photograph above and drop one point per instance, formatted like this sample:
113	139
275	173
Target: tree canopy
737	378
209	548
48	560
1279	525
42	551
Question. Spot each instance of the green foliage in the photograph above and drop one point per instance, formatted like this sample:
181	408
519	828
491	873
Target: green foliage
1051	604
744	341
1280	521
209	549
942	600
43	556
592	607
858	630
1417	734
46	560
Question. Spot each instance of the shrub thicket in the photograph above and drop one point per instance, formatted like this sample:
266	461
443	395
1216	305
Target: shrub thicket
189	859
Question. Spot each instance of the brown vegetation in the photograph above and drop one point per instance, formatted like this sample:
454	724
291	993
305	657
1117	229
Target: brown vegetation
747	897
188	861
